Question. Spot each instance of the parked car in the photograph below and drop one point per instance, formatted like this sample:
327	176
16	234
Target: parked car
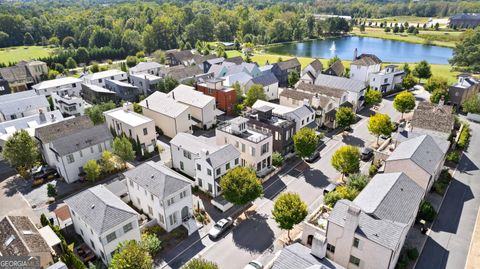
220	227
254	265
45	172
312	158
331	187
366	154
385	137
395	126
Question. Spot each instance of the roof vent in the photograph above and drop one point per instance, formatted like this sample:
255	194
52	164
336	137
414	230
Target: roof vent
92	206
152	176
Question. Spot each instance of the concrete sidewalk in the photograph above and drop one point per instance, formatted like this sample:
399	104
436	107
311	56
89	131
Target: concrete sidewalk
473	258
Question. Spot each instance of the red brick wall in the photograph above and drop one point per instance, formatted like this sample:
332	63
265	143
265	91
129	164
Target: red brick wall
225	99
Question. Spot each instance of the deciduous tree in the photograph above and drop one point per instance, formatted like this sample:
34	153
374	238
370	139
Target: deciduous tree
404	102
436	82
344	117
122	147
305	142
199	263
437	94
409	82
346	160
373	97
254	93
92	170
380	124
472	105
289	210
131	255
422	70
21	151
240	185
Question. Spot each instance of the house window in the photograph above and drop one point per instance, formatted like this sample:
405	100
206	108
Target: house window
183	194
151	197
331	248
210	188
92	244
354	260
181	165
243	148
259	166
150	210
200	183
70	158
236	161
236	144
81	154
187	154
110	237
91	149
160	218
99	147
173	219
356	242
227	166
170	201
265	148
127	227
199	167
145	131
209	172
130	132
219	171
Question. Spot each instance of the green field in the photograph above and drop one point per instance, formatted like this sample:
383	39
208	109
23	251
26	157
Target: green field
16	54
438	38
442	70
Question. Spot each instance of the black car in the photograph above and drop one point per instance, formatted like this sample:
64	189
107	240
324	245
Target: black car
45	172
312	158
366	154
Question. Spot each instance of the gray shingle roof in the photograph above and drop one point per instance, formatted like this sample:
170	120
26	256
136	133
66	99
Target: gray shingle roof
383	232
296	95
235	60
22	243
341	83
422	150
432	117
14	74
288	64
317	65
144	66
22	101
321	89
265	80
391	196
224	154
184	72
337	68
158	179
297	256
366	60
81	139
182	55
63	128
100	208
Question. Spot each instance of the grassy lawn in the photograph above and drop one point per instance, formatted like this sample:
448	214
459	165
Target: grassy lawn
438	38
16	54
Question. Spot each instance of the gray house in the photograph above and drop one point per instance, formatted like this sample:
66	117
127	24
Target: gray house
466	87
282	69
124	91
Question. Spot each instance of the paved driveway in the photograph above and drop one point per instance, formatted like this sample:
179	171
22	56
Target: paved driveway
449	240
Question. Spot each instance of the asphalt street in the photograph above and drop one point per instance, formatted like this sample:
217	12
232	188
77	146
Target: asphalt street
449	240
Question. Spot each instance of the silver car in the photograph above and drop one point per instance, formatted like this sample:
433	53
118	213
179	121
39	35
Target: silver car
253	265
220	227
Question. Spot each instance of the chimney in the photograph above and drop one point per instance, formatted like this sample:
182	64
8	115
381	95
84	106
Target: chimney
355	54
41	115
319	246
306	102
127	106
351	221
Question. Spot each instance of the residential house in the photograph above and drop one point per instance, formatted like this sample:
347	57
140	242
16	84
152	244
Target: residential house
464	20
281	70
176	57
199	60
135	126
94	94
267	68
24	74
241	78
100	78
29	123
228	68
363	66
125	91
185	74
420	158
69	102
50	86
201	106
235	60
466	87
336	69
254	143
163	194
210	62
21	104
225	97
303	115
69	144
269	83
281	127
311	71
150	68
370	231
299	256
170	116
103	221
433	119
387	80
20	237
206	163
4	87
145	82
356	89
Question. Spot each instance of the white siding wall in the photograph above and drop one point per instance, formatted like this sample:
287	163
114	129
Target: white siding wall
148	139
183	158
101	82
170	126
206	181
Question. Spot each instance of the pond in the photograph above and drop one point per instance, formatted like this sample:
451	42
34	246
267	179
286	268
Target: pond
386	50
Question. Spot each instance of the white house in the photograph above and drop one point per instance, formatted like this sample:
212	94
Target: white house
254	143
311	71
144	82
170	116
103	220
22	104
355	88
68	102
387	79
364	66
303	115
241	78
74	85
201	106
269	83
99	78
151	68
204	162
69	144
163	194
133	125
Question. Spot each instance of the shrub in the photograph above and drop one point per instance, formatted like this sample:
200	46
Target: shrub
51	190
43	220
412	254
277	159
464	137
453	156
426	211
151	243
341	192
373	169
357	181
155	229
